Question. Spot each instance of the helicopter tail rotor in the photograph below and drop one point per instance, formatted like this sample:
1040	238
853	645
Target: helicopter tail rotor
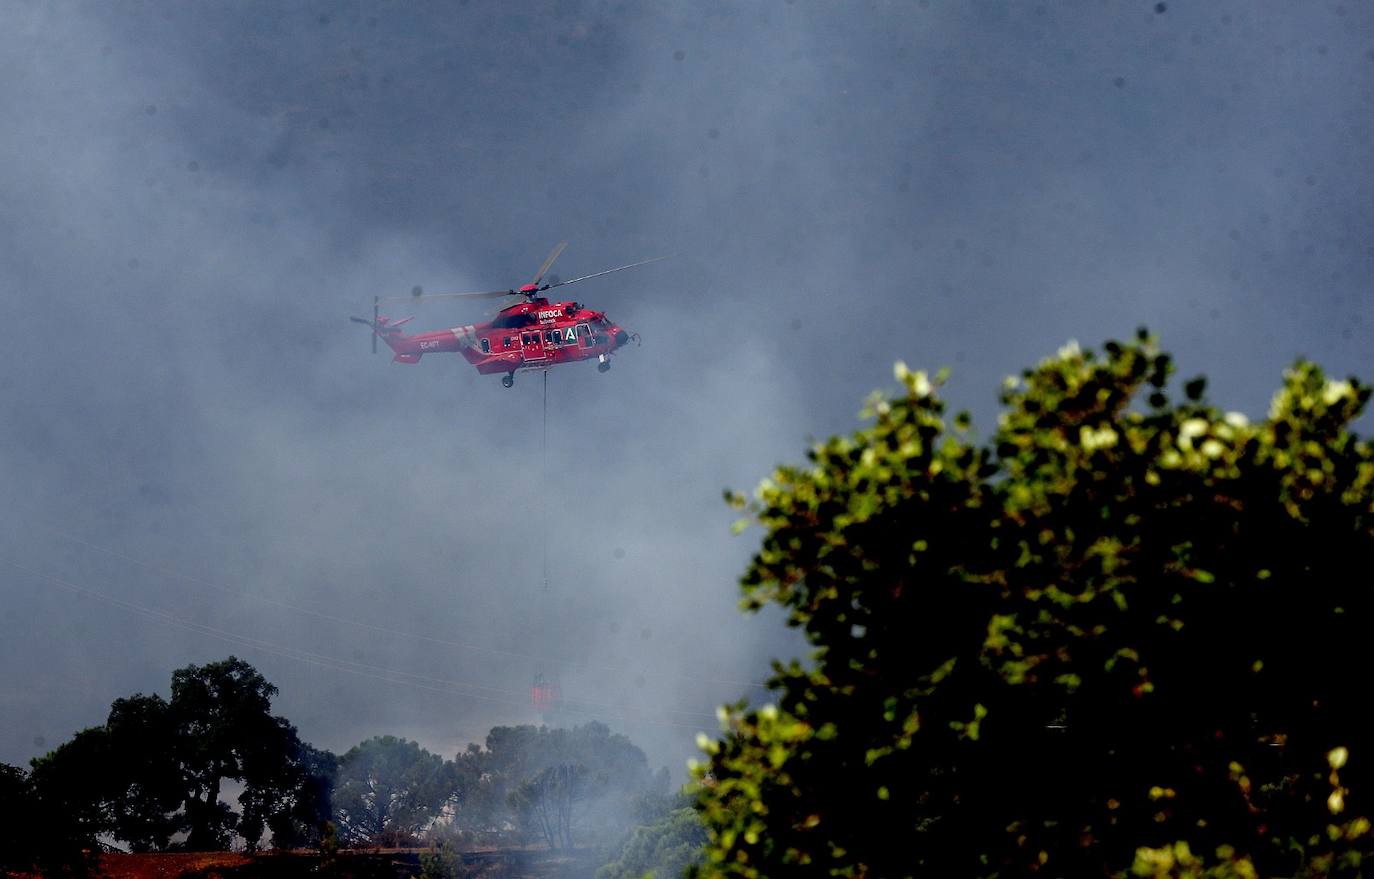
389	330
367	323
381	326
384	325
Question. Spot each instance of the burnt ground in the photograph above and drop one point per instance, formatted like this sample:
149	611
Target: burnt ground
348	864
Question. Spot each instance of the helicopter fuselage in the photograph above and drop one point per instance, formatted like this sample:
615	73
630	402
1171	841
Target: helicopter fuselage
532	335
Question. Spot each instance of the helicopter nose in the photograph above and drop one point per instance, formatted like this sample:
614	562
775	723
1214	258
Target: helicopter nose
621	338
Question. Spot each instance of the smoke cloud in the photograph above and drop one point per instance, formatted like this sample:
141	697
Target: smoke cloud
202	458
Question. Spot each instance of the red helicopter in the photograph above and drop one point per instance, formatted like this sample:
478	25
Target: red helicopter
531	335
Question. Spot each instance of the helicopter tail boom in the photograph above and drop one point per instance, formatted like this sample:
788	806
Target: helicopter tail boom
467	342
409	349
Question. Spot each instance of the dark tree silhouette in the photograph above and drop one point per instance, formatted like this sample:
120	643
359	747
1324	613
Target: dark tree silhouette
157	768
146	787
547	801
34	838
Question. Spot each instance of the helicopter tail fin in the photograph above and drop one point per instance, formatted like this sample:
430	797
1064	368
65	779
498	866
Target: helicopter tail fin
389	331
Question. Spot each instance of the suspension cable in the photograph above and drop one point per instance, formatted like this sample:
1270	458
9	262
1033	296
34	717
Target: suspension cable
543	484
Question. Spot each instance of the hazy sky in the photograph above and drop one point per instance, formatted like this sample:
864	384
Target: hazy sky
200	457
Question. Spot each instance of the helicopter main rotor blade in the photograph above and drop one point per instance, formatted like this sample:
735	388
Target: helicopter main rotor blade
553	255
599	274
424	297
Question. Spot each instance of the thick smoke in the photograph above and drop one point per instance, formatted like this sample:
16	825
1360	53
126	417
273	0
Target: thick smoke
202	457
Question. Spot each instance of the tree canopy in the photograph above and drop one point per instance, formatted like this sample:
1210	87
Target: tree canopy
560	786
157	768
664	844
211	767
1127	631
35	838
391	786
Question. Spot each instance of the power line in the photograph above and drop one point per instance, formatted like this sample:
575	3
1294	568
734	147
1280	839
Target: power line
361	669
377	627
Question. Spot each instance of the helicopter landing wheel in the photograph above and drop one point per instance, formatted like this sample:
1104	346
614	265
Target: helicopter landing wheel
602	364
508	379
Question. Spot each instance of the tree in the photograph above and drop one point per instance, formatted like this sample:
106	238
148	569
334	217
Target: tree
293	796
662	847
145	786
16	801
77	781
120	779
156	768
391	786
493	773
553	784
546	801
33	838
224	729
1121	632
443	861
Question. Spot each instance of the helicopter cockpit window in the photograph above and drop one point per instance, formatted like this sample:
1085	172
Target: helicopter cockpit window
583	330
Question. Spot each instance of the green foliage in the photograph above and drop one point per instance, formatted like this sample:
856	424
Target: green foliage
391	786
441	862
1119	632
662	849
156	767
328	845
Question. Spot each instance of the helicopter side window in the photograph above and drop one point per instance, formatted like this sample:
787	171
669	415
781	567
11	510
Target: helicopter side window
505	343
486	346
513	321
585	333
